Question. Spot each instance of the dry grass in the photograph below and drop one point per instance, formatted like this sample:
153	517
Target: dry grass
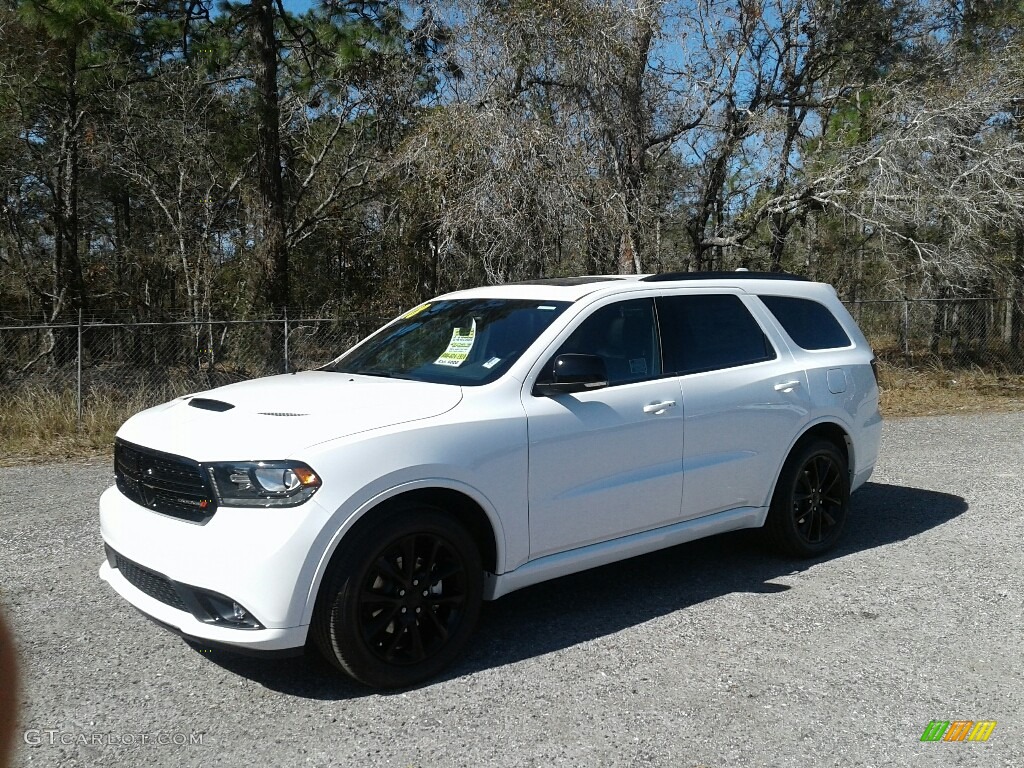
932	391
37	424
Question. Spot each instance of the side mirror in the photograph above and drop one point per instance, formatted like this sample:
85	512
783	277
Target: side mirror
574	373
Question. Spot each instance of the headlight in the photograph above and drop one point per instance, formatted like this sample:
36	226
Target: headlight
263	483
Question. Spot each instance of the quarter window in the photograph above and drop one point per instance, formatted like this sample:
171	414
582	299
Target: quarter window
707	332
810	324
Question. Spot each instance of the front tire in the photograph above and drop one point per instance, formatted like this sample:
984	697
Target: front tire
400	599
811	501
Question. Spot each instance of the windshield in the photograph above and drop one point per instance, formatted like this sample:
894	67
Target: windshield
454	341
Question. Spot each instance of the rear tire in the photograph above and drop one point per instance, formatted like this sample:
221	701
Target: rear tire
811	501
400	599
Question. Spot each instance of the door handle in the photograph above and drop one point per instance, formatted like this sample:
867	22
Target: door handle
787	386
659	408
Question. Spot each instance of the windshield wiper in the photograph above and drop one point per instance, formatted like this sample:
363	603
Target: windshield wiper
376	372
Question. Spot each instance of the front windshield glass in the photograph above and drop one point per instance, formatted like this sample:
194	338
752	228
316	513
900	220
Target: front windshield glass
453	341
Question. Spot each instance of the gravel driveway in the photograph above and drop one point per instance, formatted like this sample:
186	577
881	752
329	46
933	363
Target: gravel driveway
713	653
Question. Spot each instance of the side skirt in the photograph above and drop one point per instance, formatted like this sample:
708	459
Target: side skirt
594	555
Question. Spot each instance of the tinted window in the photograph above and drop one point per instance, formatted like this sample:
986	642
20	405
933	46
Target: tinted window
707	332
807	322
625	336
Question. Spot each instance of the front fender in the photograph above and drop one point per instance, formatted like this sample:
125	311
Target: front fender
345	518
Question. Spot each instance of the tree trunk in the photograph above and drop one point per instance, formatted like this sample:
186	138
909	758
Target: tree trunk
120	202
939	321
268	157
631	175
628	258
781	224
1017	324
69	183
630	145
273	250
631	172
67	267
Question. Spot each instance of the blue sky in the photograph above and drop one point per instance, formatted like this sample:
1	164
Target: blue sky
297	6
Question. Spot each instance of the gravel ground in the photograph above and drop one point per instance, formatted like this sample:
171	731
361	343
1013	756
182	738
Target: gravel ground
709	654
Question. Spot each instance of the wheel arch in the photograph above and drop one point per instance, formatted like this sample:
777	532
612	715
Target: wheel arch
459	505
824	429
834	433
473	512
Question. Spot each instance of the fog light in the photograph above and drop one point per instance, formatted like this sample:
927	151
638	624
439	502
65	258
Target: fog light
220	609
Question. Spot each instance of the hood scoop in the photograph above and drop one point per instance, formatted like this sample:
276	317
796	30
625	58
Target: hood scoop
210	405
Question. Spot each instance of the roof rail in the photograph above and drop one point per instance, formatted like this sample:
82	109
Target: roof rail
721	275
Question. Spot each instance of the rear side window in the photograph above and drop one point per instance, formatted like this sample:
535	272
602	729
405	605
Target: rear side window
708	332
810	324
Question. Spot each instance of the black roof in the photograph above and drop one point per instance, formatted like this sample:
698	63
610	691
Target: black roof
568	280
666	276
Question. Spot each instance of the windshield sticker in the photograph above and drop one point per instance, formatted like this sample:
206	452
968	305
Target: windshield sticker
492	362
638	366
459	347
545	306
415	311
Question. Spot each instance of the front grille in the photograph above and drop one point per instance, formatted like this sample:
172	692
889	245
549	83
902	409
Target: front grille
150	582
168	484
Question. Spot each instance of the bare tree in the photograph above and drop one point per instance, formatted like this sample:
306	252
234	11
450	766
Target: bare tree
174	156
62	36
573	112
942	171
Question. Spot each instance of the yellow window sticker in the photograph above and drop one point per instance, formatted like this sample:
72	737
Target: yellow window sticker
415	311
459	347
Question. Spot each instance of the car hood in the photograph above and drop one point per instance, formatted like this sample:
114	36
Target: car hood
276	416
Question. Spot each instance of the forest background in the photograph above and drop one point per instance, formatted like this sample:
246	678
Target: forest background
196	161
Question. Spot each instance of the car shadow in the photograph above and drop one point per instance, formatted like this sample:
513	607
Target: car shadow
584	606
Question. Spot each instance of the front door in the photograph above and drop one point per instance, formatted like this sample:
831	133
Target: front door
608	462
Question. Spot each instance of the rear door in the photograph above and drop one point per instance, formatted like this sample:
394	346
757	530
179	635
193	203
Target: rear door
744	398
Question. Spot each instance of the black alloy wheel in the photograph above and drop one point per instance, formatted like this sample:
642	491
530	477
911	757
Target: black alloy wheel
402	600
811	501
413	595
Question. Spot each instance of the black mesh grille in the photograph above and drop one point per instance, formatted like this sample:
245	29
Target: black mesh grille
167	484
152	583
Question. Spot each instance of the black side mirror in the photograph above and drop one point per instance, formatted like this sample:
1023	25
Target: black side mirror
573	373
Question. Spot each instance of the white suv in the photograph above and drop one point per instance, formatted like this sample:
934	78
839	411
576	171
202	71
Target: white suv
484	441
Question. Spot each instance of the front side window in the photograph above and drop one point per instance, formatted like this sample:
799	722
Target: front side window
706	332
456	341
625	336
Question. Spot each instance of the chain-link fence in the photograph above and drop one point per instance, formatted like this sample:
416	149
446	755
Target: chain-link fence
156	361
955	333
138	364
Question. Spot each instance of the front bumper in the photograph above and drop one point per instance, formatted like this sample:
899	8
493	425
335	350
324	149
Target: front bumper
290	639
261	558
